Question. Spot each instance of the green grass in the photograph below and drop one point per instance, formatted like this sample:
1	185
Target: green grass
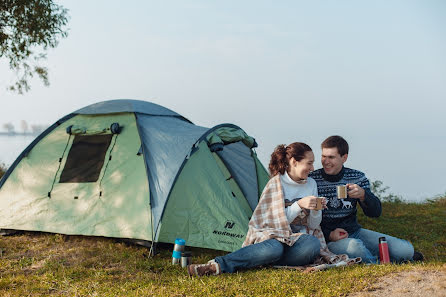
41	264
422	224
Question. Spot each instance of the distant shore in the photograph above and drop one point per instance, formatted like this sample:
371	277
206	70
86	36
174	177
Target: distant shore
20	133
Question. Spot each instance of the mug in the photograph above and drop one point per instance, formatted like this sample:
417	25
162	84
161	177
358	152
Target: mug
319	203
341	190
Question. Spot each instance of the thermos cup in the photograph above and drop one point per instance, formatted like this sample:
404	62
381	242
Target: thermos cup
383	251
178	248
341	191
185	259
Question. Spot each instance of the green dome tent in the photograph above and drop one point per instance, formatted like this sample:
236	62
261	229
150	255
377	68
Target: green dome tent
135	170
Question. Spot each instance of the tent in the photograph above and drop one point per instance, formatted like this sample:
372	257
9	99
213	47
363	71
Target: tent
135	170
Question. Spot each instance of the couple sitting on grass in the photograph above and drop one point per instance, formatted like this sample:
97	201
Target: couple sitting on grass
288	229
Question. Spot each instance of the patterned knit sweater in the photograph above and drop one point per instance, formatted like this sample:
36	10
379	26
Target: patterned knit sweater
341	213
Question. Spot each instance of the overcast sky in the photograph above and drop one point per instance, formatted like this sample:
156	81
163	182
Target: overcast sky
371	71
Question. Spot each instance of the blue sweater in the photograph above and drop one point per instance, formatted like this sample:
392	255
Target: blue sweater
341	213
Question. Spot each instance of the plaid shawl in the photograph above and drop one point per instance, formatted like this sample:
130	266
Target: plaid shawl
269	221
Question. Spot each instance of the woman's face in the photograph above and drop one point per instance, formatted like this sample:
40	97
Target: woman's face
299	170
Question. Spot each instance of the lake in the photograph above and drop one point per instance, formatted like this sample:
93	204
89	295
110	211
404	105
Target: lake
414	178
12	146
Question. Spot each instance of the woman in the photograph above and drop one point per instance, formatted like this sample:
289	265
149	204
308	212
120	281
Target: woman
278	229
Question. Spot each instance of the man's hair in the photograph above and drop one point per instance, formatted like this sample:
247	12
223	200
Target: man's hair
337	142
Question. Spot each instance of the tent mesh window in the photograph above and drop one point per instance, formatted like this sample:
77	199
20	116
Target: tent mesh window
85	159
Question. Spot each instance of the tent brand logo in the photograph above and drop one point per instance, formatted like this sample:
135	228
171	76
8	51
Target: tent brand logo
229	224
224	233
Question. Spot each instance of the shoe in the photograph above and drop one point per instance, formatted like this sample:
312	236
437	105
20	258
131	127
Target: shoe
210	268
417	256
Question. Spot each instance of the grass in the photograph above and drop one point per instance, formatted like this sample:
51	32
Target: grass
422	224
40	264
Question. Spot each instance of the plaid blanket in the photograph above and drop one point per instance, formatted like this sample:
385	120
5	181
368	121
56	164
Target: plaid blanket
269	221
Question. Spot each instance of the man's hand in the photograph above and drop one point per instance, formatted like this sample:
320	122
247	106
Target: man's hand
338	234
355	191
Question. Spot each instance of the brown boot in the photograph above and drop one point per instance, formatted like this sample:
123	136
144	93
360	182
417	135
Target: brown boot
210	268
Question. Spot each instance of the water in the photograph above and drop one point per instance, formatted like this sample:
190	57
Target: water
413	178
412	167
12	146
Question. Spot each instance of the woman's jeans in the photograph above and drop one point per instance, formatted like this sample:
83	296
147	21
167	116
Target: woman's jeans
364	243
271	251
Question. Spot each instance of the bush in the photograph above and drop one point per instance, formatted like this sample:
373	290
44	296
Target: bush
2	169
380	191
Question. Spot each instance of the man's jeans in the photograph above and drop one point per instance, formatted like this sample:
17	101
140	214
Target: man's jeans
271	251
364	243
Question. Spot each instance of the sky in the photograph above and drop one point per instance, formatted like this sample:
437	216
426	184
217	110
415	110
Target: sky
373	72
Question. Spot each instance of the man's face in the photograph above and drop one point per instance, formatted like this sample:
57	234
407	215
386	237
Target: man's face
332	161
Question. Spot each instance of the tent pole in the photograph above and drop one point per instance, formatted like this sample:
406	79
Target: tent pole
153	250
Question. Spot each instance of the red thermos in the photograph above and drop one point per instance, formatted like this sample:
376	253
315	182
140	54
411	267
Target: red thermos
383	251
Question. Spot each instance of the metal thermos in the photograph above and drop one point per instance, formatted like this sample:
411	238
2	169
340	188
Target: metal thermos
178	248
186	259
383	251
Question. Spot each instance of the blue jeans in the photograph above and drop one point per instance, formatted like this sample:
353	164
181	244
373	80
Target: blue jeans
271	251
364	243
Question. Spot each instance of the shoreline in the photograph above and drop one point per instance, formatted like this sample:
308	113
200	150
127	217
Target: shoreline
12	134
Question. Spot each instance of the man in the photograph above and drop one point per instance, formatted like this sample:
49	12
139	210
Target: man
339	223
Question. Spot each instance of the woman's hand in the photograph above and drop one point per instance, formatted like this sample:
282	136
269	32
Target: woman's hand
308	202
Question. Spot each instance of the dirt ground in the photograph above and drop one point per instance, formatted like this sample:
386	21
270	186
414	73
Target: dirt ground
426	283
